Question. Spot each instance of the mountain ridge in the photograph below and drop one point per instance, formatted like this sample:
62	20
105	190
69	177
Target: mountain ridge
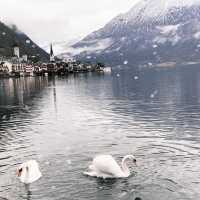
135	37
10	36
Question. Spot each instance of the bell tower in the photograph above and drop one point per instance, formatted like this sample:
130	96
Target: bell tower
52	57
16	50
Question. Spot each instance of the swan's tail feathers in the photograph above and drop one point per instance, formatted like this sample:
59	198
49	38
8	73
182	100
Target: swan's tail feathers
91	173
92	168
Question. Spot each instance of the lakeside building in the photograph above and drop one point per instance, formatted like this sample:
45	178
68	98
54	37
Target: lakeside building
16	66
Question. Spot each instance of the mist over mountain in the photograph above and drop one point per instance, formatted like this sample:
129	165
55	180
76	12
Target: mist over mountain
10	35
151	32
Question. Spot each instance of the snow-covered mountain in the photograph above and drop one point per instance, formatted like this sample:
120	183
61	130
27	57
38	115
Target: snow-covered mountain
10	35
152	31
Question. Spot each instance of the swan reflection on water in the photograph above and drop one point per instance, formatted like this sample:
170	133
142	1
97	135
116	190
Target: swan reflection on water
108	183
28	192
107	187
2	198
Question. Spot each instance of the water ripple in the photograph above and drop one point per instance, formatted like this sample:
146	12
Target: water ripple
64	122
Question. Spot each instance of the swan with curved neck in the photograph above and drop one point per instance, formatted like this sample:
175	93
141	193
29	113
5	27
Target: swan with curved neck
105	166
29	172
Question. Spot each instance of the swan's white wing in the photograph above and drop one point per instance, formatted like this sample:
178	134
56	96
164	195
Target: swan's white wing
106	164
34	171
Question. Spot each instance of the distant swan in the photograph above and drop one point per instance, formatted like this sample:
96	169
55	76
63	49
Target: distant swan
29	172
105	166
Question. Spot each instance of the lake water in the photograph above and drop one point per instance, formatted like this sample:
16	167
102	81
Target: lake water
64	122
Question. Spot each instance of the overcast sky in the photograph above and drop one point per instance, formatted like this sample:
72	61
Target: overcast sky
61	20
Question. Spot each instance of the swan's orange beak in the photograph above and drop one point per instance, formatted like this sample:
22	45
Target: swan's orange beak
19	172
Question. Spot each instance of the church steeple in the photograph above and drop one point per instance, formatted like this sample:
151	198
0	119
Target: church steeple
52	58
16	49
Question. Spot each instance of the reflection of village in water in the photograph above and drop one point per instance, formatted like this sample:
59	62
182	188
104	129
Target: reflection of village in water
17	95
16	66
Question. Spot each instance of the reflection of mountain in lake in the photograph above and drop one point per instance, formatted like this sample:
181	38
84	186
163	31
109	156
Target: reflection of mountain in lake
160	98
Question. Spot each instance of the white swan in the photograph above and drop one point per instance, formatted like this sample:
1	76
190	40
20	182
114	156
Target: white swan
105	166
29	172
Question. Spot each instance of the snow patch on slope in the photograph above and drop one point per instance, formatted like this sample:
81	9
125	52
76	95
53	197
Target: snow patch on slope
197	35
162	40
168	34
170	29
156	9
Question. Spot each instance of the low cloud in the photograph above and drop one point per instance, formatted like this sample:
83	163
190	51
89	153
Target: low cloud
60	20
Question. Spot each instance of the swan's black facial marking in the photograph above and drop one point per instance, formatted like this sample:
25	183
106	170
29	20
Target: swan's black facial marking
134	160
19	172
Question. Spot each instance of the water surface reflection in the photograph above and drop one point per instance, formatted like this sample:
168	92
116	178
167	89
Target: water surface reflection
64	122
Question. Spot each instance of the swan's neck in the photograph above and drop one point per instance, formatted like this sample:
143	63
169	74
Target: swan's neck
25	174
125	168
